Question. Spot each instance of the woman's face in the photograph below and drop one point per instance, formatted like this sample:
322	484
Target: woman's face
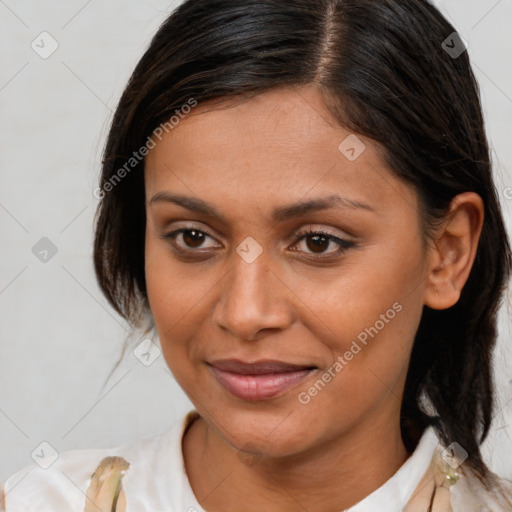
246	282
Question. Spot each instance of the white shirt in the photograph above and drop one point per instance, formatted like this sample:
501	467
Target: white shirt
157	481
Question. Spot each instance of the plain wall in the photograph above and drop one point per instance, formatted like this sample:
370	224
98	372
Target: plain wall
59	338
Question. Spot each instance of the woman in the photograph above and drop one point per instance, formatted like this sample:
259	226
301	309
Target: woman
298	197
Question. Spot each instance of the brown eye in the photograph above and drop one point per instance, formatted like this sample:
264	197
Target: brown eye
193	238
189	240
317	243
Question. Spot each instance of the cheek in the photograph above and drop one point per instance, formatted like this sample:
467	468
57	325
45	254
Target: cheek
173	288
369	361
377	294
369	316
178	302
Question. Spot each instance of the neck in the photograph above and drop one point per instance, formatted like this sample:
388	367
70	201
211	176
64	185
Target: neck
334	475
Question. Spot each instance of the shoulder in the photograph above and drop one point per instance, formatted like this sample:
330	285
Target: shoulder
63	485
451	487
469	494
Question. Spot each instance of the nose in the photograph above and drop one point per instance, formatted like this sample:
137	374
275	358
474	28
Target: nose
253	300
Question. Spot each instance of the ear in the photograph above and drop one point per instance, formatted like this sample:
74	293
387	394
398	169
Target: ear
453	252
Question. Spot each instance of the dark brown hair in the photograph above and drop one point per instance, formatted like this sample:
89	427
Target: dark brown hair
385	71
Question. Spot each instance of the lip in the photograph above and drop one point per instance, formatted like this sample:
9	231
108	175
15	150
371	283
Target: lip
259	380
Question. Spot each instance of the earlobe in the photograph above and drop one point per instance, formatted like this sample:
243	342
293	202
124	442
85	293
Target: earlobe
453	252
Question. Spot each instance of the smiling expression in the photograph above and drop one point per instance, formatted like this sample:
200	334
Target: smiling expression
265	242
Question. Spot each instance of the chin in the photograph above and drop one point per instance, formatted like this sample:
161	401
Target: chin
277	432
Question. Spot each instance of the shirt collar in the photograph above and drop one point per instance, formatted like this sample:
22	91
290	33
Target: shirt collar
394	494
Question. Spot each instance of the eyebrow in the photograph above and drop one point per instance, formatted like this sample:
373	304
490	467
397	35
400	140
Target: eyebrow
280	214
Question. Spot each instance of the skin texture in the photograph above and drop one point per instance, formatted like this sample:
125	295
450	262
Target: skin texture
289	304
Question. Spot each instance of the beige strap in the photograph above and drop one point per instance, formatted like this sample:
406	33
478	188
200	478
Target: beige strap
433	492
105	491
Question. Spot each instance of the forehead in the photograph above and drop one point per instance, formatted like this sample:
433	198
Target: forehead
274	148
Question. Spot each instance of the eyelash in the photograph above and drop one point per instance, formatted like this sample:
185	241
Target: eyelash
343	245
299	236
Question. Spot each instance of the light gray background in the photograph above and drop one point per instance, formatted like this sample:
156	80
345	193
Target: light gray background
59	338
